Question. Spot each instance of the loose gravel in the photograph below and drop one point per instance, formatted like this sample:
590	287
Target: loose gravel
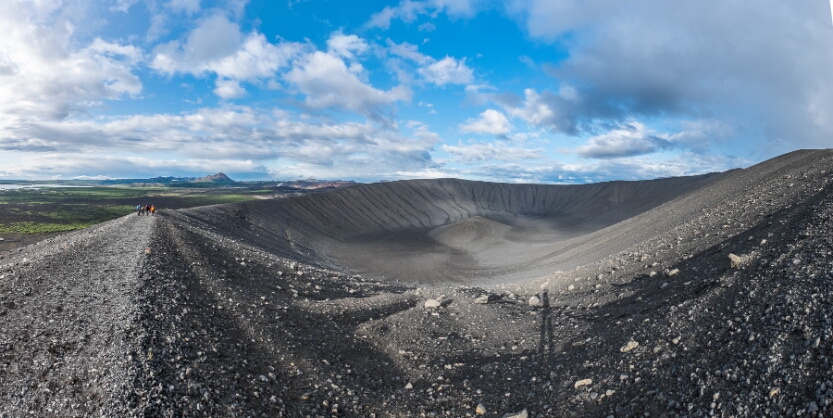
723	310
67	309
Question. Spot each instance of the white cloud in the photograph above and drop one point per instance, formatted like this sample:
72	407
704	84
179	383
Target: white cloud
699	135
410	52
630	140
627	168
123	5
535	110
489	122
218	47
672	60
346	46
408	11
636	139
447	71
228	89
427	27
231	133
326	81
187	6
157	27
480	152
96	167
527	60
44	72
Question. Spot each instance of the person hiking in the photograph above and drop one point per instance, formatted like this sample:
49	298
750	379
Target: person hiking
152	209
138	210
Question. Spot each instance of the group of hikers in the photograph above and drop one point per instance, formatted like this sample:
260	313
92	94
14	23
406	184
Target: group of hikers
145	210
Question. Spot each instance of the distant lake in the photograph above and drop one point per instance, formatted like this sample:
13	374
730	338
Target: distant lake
13	186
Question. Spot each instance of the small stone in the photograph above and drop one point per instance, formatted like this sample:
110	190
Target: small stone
735	261
409	386
673	272
522	414
812	407
535	301
629	346
571	287
480	410
583	382
483	299
432	304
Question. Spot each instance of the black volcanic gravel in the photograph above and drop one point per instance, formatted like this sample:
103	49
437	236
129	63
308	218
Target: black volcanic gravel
717	303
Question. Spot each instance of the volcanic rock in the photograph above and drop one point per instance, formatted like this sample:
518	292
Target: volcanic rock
583	382
735	261
432	304
484	299
629	346
521	414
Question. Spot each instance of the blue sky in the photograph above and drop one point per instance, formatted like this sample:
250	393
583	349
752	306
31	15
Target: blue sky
554	91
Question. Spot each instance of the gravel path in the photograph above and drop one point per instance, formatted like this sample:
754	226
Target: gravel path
66	316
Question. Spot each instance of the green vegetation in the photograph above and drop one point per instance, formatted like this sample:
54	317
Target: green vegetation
40	227
46	210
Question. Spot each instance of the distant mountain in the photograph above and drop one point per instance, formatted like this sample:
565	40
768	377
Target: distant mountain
219	178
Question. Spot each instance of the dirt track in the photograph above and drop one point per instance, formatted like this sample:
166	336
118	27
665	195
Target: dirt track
213	321
68	308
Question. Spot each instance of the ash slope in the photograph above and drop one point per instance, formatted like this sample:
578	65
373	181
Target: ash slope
443	231
206	323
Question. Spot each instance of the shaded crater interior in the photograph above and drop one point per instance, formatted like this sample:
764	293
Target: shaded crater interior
448	231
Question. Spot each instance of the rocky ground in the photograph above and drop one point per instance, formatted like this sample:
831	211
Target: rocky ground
724	311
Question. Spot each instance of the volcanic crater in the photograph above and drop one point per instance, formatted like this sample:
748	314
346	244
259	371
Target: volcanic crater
692	296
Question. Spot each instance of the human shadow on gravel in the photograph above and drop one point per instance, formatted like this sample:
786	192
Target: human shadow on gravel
545	340
245	347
